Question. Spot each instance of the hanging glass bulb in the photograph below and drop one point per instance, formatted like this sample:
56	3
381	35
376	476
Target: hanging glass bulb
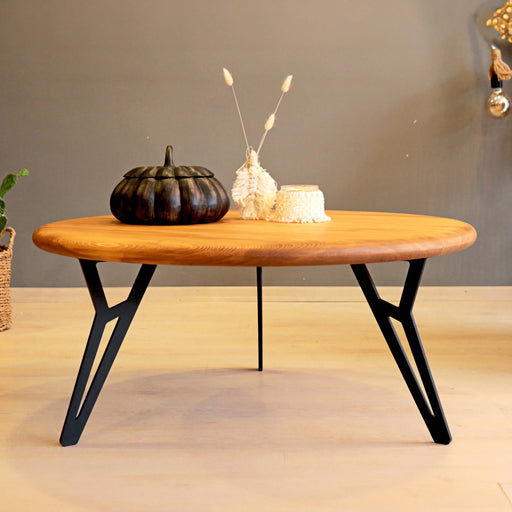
498	102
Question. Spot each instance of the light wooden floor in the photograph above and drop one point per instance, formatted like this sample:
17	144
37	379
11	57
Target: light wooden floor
184	423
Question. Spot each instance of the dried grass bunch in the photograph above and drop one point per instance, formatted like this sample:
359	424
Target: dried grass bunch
254	191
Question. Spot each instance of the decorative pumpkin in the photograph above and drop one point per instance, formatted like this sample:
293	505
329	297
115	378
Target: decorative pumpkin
169	195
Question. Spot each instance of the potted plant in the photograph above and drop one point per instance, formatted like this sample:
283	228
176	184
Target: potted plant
6	253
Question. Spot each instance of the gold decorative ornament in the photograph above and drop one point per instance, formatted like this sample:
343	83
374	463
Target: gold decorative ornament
498	103
501	21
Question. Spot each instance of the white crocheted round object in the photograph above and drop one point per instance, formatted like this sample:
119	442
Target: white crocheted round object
300	203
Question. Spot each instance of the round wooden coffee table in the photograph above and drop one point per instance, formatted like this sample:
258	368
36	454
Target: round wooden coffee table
351	238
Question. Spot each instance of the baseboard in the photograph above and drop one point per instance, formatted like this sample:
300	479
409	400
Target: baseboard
270	293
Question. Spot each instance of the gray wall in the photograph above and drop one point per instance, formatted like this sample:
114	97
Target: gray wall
386	113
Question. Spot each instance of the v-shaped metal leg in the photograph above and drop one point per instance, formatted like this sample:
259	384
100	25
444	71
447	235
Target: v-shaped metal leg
77	416
429	406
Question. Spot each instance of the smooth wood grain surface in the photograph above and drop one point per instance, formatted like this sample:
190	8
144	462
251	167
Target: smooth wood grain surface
350	238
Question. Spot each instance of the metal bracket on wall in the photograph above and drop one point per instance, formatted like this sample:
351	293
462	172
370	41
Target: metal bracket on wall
77	416
429	406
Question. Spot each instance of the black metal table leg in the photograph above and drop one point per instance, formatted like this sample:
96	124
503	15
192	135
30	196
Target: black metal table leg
260	317
77	416
429	406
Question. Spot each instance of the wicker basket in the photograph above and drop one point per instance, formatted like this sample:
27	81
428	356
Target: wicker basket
5	280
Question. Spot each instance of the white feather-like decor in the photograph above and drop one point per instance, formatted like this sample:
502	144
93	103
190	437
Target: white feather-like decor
254	190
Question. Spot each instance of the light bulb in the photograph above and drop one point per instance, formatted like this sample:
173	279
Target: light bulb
498	102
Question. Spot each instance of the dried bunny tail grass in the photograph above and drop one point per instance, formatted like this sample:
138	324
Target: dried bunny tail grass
285	87
268	126
228	78
286	84
270	122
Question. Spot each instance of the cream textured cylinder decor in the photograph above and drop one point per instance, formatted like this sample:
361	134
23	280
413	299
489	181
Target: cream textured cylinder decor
300	203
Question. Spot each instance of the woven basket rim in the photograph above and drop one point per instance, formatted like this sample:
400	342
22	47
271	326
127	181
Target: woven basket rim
12	233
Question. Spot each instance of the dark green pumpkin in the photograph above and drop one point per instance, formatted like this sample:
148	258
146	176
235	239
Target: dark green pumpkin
169	195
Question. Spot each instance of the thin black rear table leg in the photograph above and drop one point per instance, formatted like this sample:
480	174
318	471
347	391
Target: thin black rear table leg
259	286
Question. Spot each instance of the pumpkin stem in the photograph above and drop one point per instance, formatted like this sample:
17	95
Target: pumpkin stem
168	157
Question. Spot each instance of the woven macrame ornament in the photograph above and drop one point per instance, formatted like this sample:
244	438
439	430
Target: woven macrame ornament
254	190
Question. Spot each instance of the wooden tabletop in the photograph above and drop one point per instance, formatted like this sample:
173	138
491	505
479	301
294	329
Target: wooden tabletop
350	238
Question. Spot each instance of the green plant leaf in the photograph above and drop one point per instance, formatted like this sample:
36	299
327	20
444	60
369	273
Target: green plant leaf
2	207
10	180
3	222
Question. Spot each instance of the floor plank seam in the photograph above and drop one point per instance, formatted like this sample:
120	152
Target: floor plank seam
506	488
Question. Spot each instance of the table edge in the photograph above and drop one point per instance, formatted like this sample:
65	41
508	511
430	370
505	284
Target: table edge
259	257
